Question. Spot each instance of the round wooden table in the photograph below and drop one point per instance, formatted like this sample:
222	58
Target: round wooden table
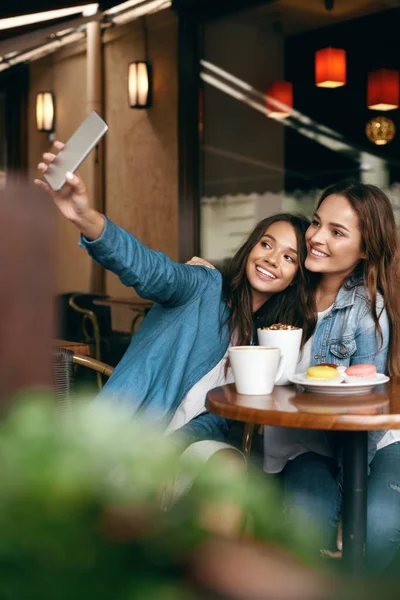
353	414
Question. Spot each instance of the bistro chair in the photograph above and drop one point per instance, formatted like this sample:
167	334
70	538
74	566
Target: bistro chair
64	375
80	319
77	302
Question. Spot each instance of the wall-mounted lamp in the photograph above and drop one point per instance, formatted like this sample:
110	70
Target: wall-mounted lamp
139	84
45	112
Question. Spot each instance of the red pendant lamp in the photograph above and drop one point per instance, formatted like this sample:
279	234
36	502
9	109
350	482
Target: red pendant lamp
383	89
279	99
330	67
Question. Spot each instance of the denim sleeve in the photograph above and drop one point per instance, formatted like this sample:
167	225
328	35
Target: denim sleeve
153	275
206	426
370	347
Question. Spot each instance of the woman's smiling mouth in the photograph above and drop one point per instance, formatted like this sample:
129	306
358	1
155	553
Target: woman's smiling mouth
264	273
318	253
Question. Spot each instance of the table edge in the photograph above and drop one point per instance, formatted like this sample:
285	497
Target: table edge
332	421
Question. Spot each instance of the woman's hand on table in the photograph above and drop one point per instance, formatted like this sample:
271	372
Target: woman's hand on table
197	261
72	199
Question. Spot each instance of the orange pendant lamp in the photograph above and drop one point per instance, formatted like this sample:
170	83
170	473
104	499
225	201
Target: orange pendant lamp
383	89
330	67
279	99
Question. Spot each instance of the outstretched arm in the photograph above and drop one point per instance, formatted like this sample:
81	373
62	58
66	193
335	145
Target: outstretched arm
153	275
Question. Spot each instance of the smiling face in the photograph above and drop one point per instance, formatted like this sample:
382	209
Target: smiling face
273	262
333	239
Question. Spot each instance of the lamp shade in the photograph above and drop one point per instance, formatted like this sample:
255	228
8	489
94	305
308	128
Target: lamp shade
279	99
383	89
139	84
45	112
330	67
380	130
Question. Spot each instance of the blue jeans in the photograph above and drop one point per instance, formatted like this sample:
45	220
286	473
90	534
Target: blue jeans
311	488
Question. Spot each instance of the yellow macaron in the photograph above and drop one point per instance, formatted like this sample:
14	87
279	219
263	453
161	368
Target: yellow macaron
320	372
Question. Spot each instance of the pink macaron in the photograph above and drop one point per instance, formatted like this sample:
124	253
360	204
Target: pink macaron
360	371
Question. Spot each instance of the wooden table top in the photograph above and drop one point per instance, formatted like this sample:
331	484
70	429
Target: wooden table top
133	303
291	407
76	347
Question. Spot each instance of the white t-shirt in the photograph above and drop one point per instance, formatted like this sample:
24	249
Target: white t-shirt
305	355
283	444
192	406
194	403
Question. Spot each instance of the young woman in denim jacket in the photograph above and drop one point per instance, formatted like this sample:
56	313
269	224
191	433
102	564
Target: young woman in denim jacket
353	249
180	350
352	244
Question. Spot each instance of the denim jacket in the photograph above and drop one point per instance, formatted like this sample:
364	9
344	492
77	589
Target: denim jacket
182	338
346	336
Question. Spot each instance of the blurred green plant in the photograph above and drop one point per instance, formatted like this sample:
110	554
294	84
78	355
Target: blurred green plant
80	513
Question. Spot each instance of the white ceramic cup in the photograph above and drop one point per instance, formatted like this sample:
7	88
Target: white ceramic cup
288	341
255	368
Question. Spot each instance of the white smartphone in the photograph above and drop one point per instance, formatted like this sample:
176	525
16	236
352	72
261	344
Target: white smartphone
76	150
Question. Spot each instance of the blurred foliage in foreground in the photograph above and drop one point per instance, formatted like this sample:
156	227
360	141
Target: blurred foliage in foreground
80	509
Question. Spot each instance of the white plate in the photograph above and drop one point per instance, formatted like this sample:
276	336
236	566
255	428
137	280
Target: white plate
330	386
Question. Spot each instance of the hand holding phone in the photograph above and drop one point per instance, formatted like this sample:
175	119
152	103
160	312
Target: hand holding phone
75	150
72	199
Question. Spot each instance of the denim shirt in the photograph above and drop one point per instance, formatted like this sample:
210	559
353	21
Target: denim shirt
346	336
182	338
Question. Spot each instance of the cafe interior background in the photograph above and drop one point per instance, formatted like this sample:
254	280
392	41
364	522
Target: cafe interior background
237	125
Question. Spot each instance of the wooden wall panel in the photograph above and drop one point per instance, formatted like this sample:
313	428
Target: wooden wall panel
66	77
141	146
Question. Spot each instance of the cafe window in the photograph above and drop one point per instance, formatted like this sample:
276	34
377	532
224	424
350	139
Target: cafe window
254	165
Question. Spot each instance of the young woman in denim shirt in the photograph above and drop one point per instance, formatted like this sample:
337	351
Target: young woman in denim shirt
352	244
180	350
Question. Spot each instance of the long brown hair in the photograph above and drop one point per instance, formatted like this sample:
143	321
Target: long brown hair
380	270
293	306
